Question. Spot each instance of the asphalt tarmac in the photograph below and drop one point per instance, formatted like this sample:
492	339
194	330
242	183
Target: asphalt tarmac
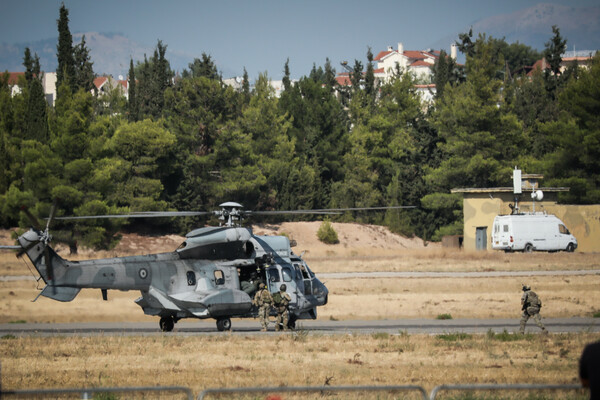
316	327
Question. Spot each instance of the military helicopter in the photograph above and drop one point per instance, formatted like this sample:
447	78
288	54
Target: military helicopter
213	274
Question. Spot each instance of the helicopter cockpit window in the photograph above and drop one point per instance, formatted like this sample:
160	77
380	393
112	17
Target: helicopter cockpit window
273	275
191	278
219	277
287	274
304	272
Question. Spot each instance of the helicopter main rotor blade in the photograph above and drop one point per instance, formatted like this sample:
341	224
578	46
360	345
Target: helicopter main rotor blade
366	208
49	268
10	247
326	212
52	211
142	214
34	221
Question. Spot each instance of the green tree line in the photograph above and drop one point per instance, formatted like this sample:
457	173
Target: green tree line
189	142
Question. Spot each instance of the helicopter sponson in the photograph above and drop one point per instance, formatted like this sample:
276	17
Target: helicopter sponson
211	275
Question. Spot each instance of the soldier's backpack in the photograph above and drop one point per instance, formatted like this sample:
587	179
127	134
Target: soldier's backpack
277	298
534	300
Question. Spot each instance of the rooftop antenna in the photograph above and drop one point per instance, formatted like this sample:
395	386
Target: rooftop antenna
536	195
517	189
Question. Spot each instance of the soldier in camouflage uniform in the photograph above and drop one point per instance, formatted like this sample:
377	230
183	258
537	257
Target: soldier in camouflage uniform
531	304
283	312
263	301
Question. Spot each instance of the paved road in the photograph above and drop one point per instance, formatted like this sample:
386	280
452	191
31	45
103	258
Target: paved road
245	327
451	274
407	274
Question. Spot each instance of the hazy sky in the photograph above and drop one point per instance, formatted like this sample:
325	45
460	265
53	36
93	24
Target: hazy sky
261	35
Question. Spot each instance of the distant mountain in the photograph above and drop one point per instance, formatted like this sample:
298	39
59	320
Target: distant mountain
533	27
110	54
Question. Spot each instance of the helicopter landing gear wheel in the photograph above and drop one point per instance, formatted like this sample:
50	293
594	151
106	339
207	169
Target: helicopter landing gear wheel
223	324
166	324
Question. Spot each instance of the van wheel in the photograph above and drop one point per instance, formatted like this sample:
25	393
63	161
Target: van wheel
528	248
570	247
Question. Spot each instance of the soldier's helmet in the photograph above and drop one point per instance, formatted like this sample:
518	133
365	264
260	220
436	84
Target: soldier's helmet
282	287
526	287
261	286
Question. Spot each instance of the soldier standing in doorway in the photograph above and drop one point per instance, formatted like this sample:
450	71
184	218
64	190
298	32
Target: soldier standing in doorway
531	305
263	301
282	307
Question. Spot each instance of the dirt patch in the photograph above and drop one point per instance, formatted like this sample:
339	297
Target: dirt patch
353	238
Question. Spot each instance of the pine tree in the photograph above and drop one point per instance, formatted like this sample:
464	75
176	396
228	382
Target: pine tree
202	67
329	75
84	72
555	47
356	76
66	62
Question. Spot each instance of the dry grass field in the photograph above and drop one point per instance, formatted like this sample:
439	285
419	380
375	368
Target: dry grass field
308	358
290	359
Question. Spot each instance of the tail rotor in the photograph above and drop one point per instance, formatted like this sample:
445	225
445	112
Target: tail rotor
44	238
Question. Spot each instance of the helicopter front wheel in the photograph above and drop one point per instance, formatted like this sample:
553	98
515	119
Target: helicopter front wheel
166	324
224	324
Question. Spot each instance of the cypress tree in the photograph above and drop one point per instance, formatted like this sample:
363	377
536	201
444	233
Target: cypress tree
66	62
370	77
36	119
286	75
132	104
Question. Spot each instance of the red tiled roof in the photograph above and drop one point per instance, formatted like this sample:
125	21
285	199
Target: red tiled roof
420	63
379	71
343	80
13	77
382	54
99	81
569	59
539	64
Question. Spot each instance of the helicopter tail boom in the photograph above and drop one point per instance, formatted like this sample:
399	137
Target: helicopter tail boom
49	265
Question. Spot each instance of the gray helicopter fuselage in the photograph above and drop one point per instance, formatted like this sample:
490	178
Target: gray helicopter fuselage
201	279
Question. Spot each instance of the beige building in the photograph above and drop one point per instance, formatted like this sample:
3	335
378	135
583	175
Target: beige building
480	206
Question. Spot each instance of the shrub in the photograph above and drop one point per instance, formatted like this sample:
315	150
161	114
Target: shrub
444	316
327	234
506	336
453	337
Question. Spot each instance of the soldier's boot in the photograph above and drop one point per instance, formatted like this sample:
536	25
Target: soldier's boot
544	330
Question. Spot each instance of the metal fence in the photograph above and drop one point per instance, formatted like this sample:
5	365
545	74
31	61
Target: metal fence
88	393
312	389
499	387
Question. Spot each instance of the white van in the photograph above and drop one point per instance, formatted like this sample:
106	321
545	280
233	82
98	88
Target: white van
529	232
